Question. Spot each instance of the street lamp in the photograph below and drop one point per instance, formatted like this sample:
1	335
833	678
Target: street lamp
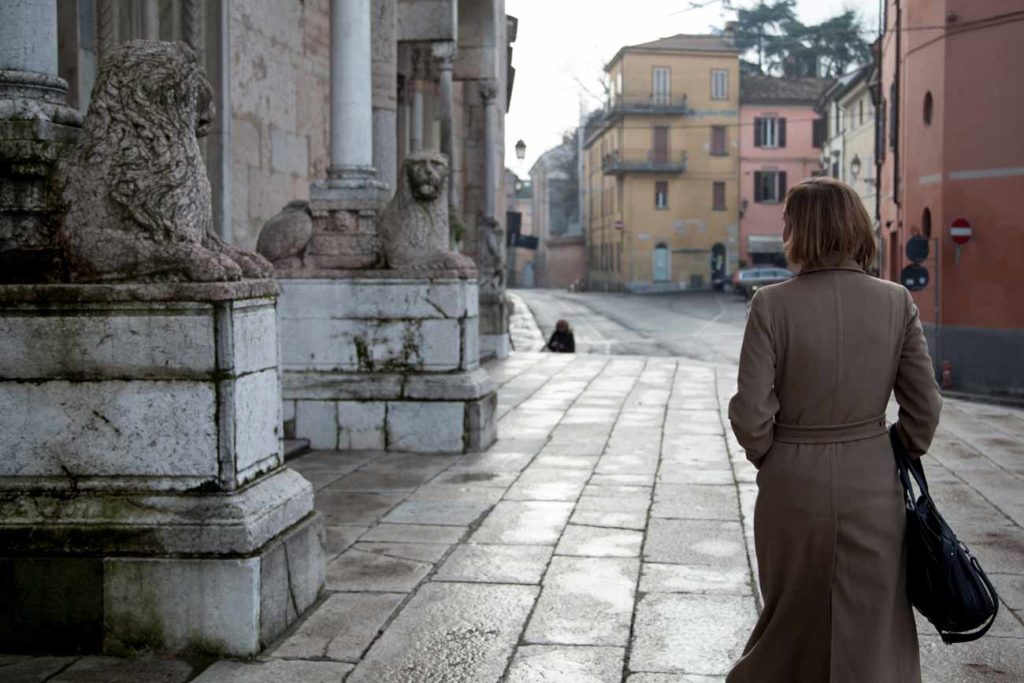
520	150
855	166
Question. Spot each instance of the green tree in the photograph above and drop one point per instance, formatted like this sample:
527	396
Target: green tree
785	46
762	29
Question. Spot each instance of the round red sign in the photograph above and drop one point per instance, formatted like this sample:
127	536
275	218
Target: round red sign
960	231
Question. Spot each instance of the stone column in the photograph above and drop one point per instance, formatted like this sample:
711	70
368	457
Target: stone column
106	31
489	93
351	94
385	90
444	54
416	114
491	251
191	25
36	126
151	19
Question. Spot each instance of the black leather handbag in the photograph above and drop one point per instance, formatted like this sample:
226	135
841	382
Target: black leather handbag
945	581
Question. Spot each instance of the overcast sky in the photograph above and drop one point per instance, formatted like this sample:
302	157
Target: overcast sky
562	47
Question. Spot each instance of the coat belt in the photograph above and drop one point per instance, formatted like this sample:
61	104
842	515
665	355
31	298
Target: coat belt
853	431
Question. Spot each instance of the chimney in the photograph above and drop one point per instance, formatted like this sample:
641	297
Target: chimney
729	32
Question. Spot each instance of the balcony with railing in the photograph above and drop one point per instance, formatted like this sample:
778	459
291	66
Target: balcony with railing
654	103
644	161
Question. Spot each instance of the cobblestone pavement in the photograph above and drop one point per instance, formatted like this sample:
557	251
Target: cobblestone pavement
605	537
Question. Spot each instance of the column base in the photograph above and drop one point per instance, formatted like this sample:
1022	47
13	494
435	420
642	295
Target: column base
351	188
385	364
222	574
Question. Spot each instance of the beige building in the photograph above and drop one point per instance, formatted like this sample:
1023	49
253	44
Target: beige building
849	121
660	167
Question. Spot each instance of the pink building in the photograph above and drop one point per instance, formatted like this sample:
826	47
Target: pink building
950	145
778	147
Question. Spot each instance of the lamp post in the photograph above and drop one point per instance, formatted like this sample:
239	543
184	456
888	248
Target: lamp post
855	167
520	150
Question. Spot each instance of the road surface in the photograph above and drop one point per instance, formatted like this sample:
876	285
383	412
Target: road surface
702	326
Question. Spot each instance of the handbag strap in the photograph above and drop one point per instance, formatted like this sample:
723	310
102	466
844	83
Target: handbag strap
908	467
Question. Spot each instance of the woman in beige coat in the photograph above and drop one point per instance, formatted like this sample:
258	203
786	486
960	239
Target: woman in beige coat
821	354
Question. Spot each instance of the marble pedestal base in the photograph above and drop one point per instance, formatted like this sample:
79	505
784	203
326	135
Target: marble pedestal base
143	501
374	361
494	325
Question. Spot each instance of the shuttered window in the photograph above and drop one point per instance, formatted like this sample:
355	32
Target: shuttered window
661	90
718	141
661	194
659	153
718	196
769	186
719	84
769	131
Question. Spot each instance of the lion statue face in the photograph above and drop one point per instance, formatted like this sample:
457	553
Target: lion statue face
162	81
427	174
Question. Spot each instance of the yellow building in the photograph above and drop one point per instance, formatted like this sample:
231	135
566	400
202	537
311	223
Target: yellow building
661	165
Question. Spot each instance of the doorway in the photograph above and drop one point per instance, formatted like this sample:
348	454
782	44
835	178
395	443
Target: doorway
662	263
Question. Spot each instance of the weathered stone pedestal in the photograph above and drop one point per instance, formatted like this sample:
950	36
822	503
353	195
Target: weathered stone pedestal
143	501
377	360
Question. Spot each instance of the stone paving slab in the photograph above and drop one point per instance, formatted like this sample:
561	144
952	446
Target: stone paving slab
115	670
496	564
581	664
589	541
454	632
524	522
275	671
694	634
342	628
414	533
585	601
18	669
359	570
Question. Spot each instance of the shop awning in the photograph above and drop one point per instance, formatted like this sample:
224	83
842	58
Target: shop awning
765	244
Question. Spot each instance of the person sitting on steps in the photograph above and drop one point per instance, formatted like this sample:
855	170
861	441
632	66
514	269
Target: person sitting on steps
562	340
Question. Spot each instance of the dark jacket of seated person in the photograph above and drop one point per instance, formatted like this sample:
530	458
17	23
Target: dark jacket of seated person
562	340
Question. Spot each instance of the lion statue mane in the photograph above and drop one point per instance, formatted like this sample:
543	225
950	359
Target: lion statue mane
414	227
136	195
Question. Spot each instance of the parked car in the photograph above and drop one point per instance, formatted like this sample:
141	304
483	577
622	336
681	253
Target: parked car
749	280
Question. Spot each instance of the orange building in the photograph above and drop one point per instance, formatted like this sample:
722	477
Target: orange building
950	145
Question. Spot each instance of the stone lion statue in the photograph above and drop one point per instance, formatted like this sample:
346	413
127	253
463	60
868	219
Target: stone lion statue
414	227
136	195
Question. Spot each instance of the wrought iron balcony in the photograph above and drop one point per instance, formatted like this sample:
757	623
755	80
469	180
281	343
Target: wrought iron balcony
643	161
655	104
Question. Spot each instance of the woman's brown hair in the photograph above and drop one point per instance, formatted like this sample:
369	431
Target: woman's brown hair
826	224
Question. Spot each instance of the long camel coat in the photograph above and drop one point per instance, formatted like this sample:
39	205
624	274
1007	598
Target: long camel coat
820	356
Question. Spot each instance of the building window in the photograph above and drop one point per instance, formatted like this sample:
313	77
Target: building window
659	145
719	84
660	92
718	146
928	108
860	113
769	186
769	131
926	222
718	196
661	194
